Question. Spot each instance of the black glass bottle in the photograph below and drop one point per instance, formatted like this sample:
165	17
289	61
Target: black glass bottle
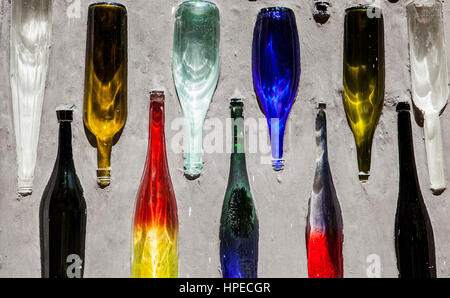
239	223
414	241
62	213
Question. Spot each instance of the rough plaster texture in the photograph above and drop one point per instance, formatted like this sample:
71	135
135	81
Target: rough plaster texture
281	199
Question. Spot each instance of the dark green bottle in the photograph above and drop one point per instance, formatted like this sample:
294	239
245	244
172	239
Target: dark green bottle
239	229
62	213
414	241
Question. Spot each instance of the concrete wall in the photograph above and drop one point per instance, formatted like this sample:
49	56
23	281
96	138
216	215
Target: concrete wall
281	199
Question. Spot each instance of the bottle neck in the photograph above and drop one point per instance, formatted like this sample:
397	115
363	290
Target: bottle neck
408	173
157	144
238	169
321	137
65	158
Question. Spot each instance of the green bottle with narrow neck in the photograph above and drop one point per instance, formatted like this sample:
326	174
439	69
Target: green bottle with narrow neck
62	213
239	222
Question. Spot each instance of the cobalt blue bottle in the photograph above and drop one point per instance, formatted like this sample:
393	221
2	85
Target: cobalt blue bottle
239	222
276	71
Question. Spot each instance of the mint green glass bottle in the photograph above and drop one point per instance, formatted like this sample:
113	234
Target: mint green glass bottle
195	69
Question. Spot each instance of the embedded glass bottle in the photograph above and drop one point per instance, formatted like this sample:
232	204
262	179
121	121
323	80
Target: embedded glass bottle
31	32
239	227
414	240
364	77
105	88
324	227
62	212
155	228
429	80
276	71
195	68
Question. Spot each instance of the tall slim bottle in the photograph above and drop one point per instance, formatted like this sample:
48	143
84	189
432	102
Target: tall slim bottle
324	227
414	240
62	212
105	88
363	75
31	32
155	230
429	80
195	68
239	228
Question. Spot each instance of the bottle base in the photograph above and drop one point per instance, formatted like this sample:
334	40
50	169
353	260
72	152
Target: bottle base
278	165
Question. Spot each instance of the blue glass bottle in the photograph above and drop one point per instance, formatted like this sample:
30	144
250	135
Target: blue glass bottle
276	71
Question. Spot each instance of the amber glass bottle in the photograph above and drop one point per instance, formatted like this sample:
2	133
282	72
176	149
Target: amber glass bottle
105	96
363	78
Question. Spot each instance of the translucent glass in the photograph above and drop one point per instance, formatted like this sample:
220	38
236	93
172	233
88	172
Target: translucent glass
324	227
239	226
429	78
195	68
276	71
364	77
105	94
31	31
155	229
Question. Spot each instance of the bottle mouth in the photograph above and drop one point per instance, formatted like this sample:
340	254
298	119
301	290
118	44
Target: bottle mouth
364	177
104	177
403	106
64	115
278	165
157	95
25	187
321	106
237	102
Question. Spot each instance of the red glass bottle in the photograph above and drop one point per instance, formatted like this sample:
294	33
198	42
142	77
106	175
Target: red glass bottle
155	230
324	228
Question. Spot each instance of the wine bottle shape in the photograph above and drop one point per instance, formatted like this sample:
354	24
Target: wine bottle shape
195	67
363	78
239	228
155	230
62	213
324	226
31	33
429	80
414	240
276	72
105	88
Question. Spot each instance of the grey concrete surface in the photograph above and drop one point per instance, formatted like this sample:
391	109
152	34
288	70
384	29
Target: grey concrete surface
281	199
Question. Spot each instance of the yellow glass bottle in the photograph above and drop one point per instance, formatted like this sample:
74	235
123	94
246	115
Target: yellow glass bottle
363	76
105	97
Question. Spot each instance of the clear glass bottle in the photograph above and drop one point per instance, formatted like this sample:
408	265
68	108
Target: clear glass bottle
195	67
31	33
